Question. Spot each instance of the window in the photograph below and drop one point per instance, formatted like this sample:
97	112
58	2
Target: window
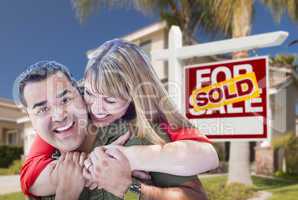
11	138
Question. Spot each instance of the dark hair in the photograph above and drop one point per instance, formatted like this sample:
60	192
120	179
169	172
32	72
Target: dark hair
38	72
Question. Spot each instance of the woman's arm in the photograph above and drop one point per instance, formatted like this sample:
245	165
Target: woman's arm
182	158
189	153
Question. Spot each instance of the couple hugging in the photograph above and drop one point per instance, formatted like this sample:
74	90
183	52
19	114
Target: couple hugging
117	131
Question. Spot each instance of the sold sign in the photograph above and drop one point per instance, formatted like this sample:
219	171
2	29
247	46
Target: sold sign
235	90
229	100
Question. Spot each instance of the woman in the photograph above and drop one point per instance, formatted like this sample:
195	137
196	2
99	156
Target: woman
144	109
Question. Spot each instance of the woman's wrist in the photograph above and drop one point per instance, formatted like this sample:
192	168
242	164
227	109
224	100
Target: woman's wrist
130	155
141	157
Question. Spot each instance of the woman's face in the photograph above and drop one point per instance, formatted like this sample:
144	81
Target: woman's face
104	109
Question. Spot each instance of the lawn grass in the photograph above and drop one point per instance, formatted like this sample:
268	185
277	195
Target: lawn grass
13	196
280	189
285	193
217	190
4	171
20	196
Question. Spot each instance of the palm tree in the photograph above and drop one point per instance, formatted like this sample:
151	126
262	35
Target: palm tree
279	7
187	14
294	42
235	19
284	60
232	17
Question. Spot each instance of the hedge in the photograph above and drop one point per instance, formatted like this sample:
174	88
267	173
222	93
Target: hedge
8	154
291	153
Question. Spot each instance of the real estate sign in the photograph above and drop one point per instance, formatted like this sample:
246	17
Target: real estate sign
229	100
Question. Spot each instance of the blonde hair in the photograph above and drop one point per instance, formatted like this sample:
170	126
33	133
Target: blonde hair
121	69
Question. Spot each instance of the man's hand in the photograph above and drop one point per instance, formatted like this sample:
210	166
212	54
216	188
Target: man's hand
112	173
70	176
142	175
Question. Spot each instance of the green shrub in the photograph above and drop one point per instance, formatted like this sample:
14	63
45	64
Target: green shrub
8	154
15	167
288	176
281	141
291	155
288	142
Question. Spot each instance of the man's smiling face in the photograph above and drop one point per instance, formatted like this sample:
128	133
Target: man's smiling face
57	111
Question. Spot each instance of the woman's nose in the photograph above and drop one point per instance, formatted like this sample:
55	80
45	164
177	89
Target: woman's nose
97	107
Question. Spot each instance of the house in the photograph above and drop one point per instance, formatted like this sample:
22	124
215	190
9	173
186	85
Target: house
10	130
283	100
155	37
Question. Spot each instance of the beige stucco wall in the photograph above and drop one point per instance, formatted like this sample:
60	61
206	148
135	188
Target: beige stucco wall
29	135
10	113
158	41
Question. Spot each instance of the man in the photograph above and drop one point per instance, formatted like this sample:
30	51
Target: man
58	114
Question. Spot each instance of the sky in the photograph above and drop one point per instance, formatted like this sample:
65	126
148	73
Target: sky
34	30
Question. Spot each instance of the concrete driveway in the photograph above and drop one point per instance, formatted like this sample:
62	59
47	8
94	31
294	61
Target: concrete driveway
9	184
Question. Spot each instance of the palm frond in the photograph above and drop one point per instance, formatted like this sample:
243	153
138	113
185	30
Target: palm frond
280	7
84	8
294	42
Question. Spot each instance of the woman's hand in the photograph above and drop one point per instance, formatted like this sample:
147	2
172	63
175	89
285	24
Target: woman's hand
121	140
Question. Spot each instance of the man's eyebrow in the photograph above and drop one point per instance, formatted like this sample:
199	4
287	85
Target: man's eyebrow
63	93
42	103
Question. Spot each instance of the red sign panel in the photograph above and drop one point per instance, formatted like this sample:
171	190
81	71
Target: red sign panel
229	100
